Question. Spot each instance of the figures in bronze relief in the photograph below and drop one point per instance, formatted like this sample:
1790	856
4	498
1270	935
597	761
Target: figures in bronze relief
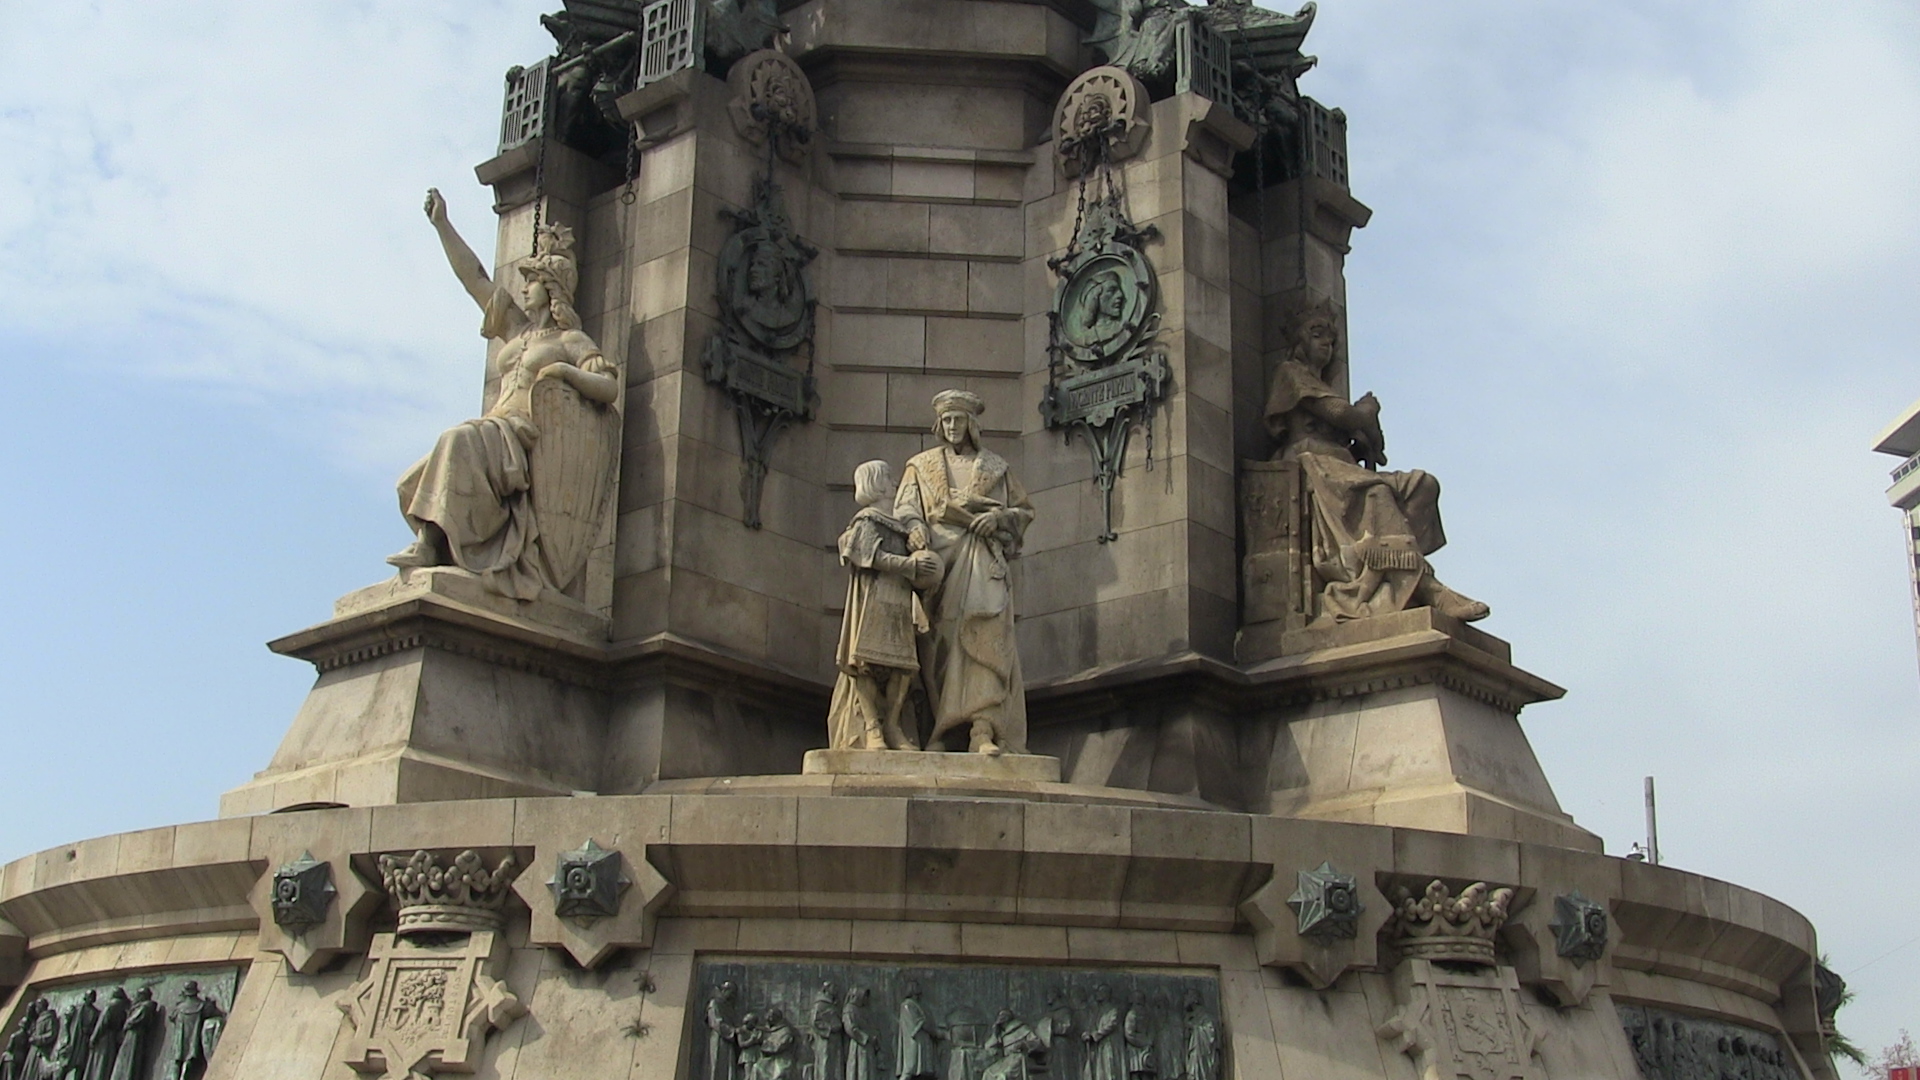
723	1033
13	1057
102	1031
962	502
862	1040
1372	530
516	496
43	1038
953	1023
878	656
1106	1043
76	1038
823	1033
914	1056
1203	1040
103	1045
136	1040
194	1024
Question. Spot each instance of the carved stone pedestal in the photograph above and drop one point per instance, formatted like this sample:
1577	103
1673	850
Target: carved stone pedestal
422	696
1413	720
553	610
1029	767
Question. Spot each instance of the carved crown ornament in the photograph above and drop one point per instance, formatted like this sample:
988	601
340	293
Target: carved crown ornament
1437	925
465	897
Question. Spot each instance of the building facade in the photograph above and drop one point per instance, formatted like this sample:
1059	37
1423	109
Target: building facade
1902	439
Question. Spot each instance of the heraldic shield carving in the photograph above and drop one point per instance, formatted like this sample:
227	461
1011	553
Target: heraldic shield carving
426	1007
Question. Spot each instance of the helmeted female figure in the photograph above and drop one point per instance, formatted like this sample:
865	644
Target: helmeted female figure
515	496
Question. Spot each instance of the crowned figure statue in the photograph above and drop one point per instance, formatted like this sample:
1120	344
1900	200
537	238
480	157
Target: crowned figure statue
517	496
1372	529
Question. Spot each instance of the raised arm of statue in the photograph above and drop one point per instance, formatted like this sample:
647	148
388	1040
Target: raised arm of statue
466	265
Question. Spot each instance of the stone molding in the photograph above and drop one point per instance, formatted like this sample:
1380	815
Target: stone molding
1428	655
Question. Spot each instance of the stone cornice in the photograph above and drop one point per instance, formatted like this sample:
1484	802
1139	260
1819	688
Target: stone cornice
430	622
1426	657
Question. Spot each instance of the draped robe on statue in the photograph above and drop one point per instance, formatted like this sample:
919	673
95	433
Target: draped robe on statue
475	484
1371	530
970	658
877	630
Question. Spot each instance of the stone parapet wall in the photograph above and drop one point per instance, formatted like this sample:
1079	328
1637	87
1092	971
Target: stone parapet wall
926	880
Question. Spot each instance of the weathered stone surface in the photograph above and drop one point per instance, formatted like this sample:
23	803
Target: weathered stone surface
1012	767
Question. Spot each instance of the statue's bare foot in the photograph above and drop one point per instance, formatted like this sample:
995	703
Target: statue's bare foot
1453	604
874	740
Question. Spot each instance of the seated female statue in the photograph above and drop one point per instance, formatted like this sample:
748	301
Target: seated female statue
516	496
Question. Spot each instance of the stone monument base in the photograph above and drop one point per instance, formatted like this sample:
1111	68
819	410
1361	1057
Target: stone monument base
1029	767
450	583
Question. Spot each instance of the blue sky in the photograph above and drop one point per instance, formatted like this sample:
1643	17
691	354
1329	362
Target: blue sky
1640	288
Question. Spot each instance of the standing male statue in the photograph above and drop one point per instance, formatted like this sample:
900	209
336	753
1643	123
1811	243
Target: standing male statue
960	501
1372	530
516	496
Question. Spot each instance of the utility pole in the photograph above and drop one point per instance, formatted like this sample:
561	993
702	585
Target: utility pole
1653	827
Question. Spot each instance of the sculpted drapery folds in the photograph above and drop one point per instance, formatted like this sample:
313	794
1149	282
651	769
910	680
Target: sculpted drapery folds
878	655
913	1050
1372	530
516	496
960	501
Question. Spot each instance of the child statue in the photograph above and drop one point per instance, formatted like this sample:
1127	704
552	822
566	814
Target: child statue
878	658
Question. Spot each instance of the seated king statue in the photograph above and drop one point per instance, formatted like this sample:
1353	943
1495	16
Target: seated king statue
1372	530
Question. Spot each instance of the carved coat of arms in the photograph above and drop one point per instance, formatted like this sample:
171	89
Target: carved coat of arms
426	1009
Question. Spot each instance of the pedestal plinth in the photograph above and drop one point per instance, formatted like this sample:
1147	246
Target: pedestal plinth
1027	767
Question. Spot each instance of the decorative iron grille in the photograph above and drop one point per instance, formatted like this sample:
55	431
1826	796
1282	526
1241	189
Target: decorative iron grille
1203	61
523	117
1326	142
672	37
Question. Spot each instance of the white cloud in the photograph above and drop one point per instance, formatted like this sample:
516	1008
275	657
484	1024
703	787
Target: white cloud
243	181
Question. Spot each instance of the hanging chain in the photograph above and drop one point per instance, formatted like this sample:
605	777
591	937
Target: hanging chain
548	114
